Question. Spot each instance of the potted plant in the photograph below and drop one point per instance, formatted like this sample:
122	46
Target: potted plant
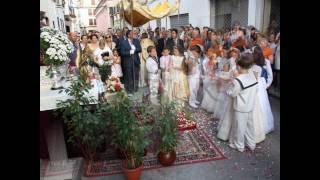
129	137
86	126
167	124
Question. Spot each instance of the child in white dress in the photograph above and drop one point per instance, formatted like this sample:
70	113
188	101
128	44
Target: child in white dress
210	91
178	74
223	110
224	74
244	92
263	71
116	70
166	66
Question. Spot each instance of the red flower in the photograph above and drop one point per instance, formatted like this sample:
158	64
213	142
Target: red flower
117	87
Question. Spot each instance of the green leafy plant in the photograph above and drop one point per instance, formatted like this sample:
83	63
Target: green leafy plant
105	72
130	137
167	124
86	125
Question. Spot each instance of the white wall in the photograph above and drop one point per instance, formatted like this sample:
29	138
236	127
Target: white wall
52	12
199	13
255	13
46	6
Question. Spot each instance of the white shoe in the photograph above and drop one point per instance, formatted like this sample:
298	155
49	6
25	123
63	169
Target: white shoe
193	105
240	149
251	148
232	146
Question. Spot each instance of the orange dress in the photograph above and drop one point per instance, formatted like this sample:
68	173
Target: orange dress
196	41
267	52
239	42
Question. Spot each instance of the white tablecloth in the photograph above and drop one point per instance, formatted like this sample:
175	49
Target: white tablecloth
49	98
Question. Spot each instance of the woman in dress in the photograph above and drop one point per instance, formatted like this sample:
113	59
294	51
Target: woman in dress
180	88
84	64
263	65
99	53
94	43
109	43
209	82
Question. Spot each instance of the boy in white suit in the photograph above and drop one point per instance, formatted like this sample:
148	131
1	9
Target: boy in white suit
244	92
152	65
195	73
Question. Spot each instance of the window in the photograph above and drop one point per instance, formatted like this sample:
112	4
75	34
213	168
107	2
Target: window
92	22
178	21
54	26
58	23
93	2
91	12
62	25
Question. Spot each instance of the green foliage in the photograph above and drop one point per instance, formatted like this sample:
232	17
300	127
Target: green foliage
167	124
105	72
85	126
188	112
130	137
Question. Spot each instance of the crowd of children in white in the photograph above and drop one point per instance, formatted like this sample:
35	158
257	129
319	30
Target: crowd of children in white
234	89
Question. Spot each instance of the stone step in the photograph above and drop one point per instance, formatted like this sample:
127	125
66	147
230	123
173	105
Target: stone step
70	169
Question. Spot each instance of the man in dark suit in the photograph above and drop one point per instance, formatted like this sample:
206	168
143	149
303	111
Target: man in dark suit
174	41
162	42
121	38
130	61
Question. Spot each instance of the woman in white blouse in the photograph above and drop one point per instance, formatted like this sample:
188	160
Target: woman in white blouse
99	52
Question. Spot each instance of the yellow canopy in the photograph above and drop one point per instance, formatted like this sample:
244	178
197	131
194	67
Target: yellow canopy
141	13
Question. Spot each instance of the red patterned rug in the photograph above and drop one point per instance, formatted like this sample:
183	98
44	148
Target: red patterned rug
195	146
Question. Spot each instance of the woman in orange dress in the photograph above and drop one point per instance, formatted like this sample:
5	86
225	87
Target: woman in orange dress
196	39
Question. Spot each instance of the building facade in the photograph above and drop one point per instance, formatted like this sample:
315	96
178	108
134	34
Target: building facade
221	14
71	20
87	15
102	14
54	10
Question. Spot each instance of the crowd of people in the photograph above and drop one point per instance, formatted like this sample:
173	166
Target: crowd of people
227	73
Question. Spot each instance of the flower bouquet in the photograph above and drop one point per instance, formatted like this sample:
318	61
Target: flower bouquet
185	121
113	84
56	46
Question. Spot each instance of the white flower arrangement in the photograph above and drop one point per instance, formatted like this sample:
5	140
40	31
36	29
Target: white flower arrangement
56	45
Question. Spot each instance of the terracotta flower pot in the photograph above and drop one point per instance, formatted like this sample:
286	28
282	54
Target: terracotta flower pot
132	174
167	159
